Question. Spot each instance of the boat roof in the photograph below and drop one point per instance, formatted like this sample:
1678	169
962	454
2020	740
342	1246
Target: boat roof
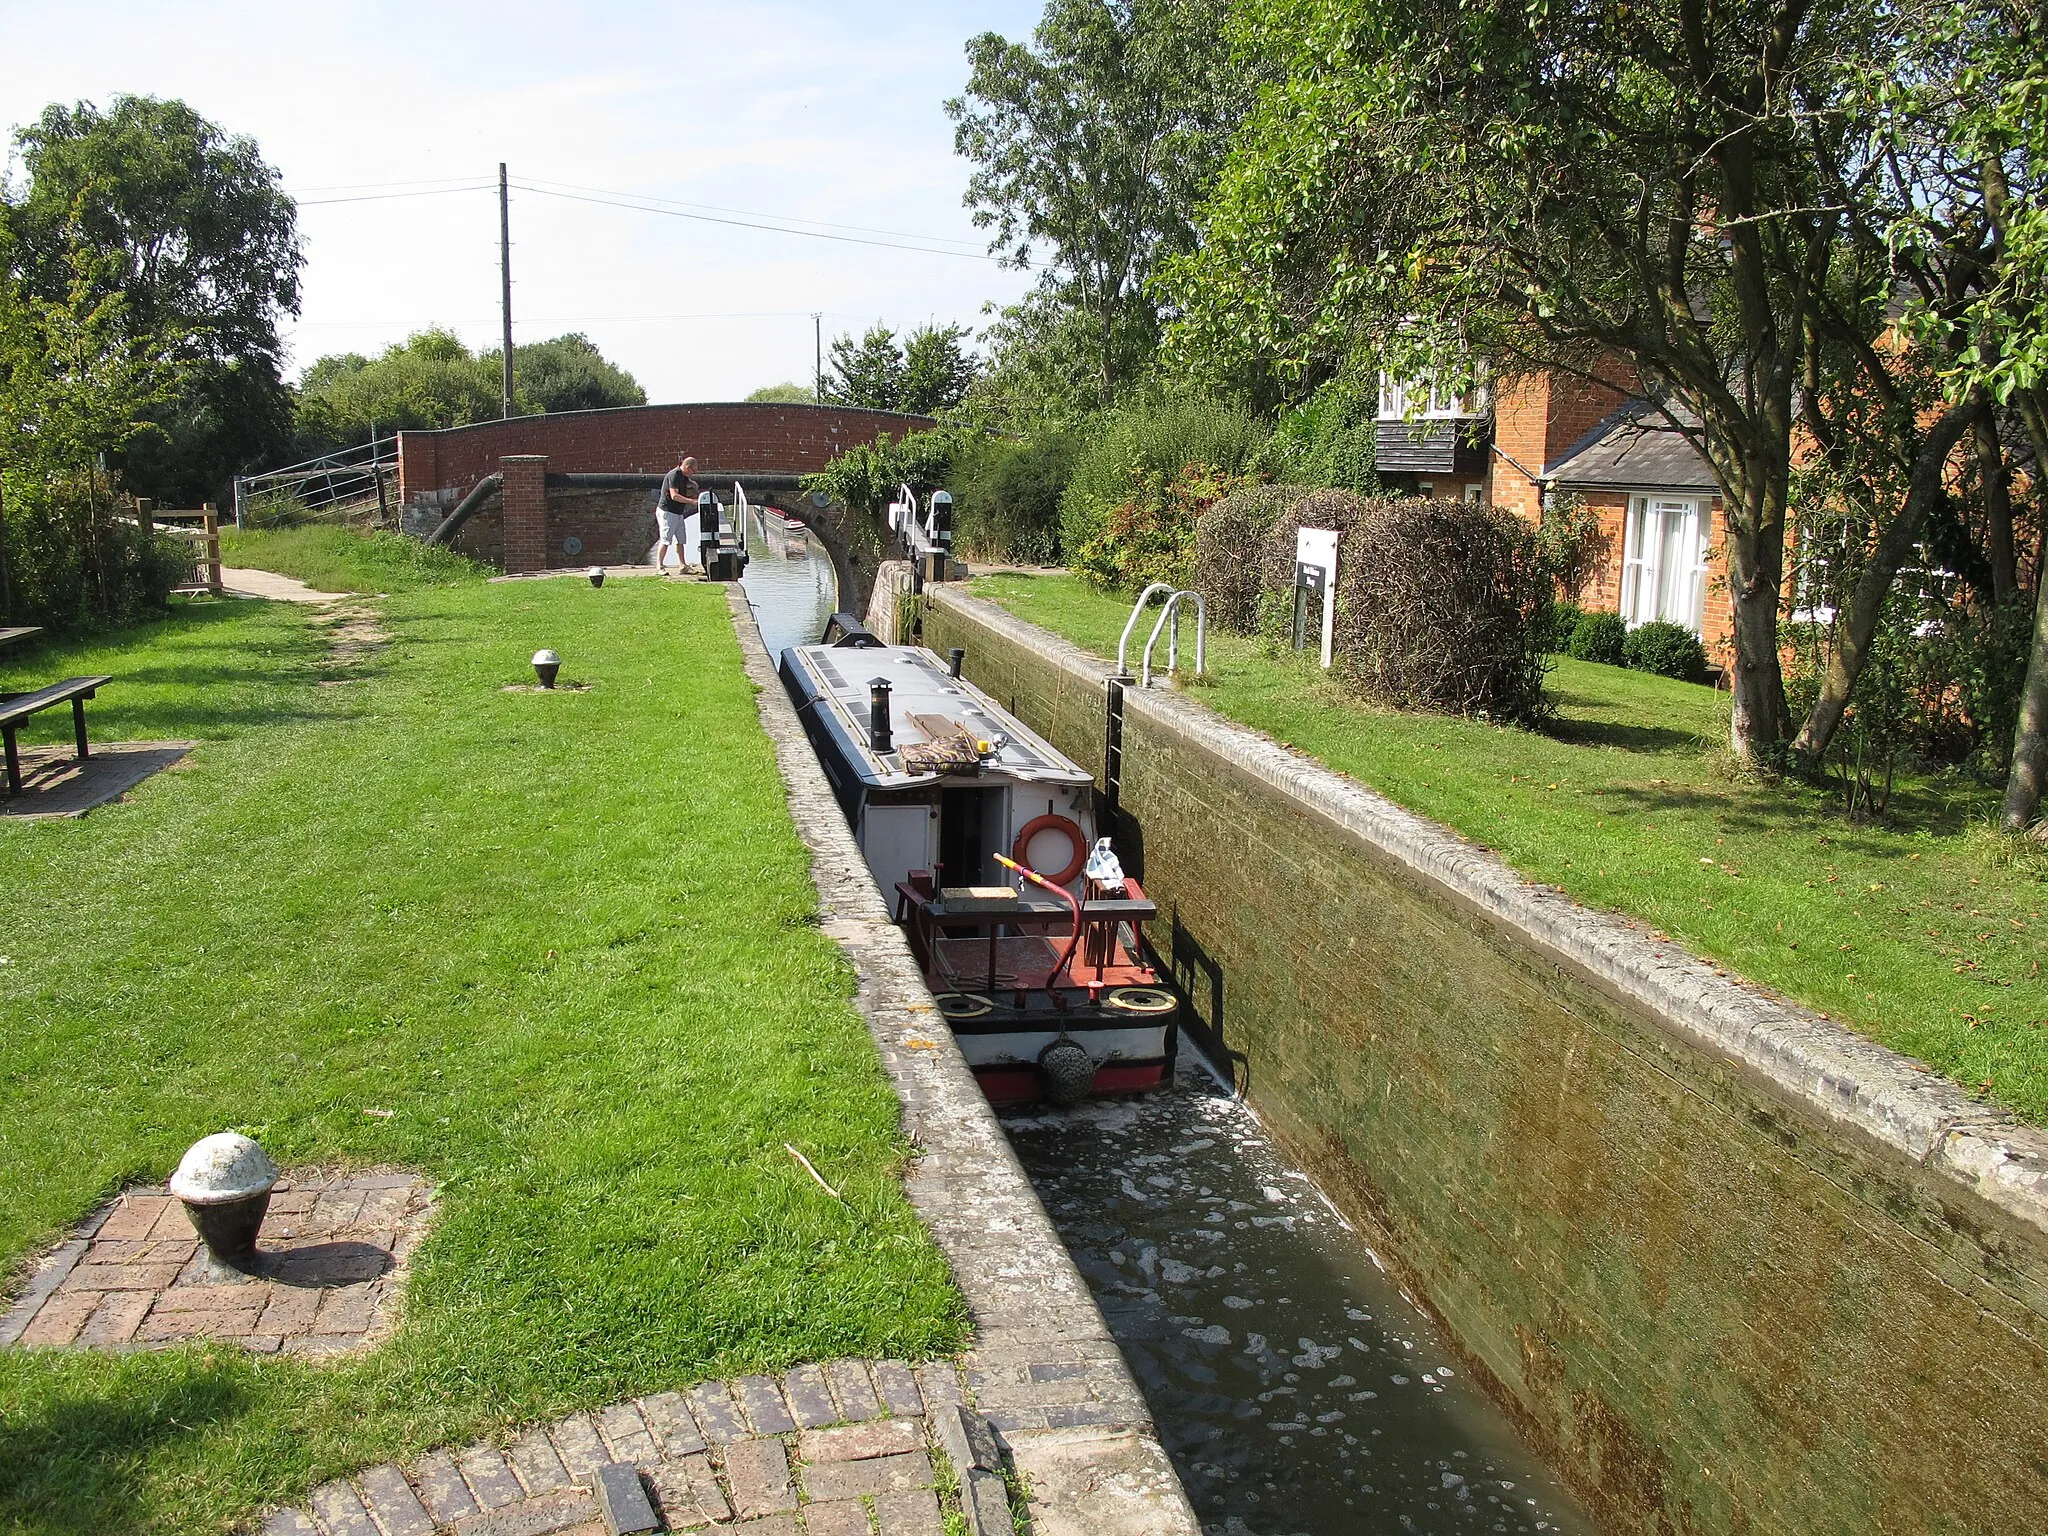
925	700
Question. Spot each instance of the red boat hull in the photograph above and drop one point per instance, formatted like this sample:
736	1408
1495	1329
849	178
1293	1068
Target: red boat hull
1022	1085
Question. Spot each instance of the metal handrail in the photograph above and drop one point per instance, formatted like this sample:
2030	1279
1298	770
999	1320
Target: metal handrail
1123	643
1171	612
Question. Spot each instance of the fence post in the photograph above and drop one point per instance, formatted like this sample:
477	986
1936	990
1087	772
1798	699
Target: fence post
210	522
144	514
238	501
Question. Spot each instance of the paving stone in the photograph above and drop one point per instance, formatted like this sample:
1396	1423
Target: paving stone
121	1277
764	1406
855	1392
680	1509
290	1522
442	1489
115	1321
622	1502
626	1435
772	1525
711	1406
577	1443
705	1488
668	1416
858	1442
171	1221
758	1473
260	1343
556	1511
289	1310
913	1512
340	1512
539	1468
898	1386
494	1483
965	1437
1074	1415
810	1397
985	1505
133	1216
881	1474
170	1327
335	1209
345	1309
391	1499
847	1517
939	1383
57	1321
208	1298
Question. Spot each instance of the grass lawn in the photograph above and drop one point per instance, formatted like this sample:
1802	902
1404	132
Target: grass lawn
567	940
1922	933
331	559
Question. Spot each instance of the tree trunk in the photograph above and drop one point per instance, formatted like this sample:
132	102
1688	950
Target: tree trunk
2005	582
2029	780
1756	568
1866	604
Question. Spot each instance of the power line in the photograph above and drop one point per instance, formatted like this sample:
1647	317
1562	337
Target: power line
365	186
780	229
379	197
749	213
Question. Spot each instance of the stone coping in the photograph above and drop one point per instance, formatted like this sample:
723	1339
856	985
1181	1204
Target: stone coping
1813	1060
1043	1368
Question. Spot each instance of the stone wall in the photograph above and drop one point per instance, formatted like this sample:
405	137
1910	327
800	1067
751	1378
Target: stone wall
1732	1268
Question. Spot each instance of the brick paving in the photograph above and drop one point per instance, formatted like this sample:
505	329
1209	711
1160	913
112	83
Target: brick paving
331	1261
725	1455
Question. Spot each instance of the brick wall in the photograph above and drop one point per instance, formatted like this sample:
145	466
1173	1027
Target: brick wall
1716	1307
523	503
1602	590
1535	420
645	439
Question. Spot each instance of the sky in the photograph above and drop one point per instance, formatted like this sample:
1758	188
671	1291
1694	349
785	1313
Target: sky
820	115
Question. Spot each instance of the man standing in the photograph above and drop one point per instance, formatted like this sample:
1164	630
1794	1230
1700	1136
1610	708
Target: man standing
673	506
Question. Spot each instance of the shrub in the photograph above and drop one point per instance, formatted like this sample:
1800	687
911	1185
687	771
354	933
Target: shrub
1439	607
1562	620
1150	536
1330	440
1231	543
67	563
1599	637
1124	452
1008	494
1669	650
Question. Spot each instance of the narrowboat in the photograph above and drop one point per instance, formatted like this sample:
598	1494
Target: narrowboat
981	836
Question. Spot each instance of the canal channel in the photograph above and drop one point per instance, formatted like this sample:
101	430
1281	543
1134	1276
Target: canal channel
1299	1391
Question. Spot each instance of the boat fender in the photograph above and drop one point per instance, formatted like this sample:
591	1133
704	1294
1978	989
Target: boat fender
1021	849
1068	1072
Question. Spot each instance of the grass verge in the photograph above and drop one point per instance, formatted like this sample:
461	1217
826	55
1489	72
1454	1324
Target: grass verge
1924	933
332	559
567	940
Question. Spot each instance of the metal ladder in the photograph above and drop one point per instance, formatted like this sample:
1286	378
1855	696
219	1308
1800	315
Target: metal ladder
1168	614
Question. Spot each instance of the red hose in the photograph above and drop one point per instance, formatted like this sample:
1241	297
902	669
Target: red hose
1073	938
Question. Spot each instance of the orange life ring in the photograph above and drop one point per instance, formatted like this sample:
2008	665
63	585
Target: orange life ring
1021	850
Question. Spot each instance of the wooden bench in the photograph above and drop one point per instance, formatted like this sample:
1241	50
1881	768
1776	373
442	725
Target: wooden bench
17	707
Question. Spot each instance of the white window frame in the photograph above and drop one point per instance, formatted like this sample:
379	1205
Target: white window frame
1423	399
1642	554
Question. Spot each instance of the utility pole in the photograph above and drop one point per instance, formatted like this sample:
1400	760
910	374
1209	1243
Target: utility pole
818	365
505	274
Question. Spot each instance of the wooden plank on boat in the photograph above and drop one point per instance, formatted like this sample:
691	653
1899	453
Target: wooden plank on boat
937	727
978	898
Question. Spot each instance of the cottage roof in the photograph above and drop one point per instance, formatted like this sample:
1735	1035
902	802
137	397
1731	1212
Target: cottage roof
1635	449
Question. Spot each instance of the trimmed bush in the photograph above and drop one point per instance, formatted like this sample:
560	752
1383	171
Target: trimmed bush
1599	637
1009	497
1669	650
1563	618
1231	544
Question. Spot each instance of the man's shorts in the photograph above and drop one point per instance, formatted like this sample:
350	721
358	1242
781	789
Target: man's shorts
674	526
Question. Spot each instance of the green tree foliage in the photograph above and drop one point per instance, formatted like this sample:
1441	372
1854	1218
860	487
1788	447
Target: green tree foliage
783	394
1330	440
432	380
1138	450
1093	145
926	373
1551	186
76	384
189	227
567	373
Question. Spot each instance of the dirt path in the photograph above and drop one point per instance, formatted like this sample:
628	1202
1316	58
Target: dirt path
241	581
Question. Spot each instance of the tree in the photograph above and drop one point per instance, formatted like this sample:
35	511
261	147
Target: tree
1093	145
1556	187
566	373
190	228
867	373
928	373
783	394
427	381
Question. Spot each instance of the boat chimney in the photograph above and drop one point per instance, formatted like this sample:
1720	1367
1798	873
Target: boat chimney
954	658
878	716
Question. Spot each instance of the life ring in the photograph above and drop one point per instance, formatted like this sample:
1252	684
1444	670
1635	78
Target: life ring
1140	1000
1021	849
964	1005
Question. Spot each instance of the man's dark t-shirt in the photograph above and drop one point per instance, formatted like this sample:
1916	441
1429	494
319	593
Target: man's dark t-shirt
684	486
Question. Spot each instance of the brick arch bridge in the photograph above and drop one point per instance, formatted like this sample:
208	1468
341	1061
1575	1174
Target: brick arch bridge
590	476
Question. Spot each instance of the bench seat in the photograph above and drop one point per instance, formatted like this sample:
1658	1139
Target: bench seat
17	707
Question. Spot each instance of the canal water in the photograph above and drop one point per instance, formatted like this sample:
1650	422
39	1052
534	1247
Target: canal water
1298	1390
789	584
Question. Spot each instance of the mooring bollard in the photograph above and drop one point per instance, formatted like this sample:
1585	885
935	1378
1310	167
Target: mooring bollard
596	575
224	1182
545	665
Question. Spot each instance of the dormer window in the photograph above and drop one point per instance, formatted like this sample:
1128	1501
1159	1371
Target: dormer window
1424	399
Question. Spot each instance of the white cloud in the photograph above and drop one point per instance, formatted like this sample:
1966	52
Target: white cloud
809	111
